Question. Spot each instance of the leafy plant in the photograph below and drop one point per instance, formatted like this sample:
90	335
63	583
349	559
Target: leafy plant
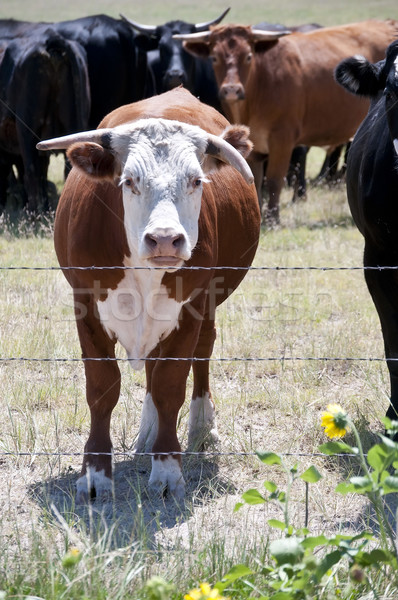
379	477
304	567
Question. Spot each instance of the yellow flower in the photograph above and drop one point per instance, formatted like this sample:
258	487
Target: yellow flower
335	421
214	595
205	589
204	592
195	594
72	557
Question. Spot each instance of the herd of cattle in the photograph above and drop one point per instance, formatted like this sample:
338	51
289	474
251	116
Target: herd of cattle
162	184
59	78
64	77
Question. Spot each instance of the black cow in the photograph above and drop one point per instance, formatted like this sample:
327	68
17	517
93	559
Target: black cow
116	69
116	72
171	65
329	171
44	91
372	189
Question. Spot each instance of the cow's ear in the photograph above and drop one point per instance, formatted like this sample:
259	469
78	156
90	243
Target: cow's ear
95	161
146	42
238	137
199	49
360	77
264	45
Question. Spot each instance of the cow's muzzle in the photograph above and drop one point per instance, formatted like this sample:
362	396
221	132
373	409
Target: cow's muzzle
173	78
166	248
231	92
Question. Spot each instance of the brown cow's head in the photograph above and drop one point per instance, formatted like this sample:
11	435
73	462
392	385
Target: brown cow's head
161	166
231	49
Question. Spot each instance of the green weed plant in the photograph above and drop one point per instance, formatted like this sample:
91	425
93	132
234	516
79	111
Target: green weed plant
308	567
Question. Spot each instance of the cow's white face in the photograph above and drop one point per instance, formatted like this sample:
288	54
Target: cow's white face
161	166
162	181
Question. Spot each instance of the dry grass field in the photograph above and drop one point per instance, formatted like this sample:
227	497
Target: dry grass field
292	341
325	12
262	405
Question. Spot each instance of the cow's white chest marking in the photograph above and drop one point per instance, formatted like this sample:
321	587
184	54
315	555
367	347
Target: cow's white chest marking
139	313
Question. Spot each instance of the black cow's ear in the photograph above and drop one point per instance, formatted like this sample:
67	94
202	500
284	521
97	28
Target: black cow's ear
146	42
95	161
199	49
360	77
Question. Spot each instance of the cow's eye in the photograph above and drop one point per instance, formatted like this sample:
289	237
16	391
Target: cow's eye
249	57
129	182
213	59
194	183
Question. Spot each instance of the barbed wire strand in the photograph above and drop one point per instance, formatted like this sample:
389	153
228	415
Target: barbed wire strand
132	454
211	359
195	359
199	268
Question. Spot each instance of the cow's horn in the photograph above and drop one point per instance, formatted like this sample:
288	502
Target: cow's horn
97	136
193	37
205	26
225	152
260	35
147	29
151	29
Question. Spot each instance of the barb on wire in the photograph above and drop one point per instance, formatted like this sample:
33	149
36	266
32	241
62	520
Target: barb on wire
211	359
132	454
199	268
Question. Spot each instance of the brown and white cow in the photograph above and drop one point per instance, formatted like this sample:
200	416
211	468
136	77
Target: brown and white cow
281	85
148	190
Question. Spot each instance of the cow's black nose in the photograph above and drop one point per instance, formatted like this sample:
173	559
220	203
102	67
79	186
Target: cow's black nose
175	77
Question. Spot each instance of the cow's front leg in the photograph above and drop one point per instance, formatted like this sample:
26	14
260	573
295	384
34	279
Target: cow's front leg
149	417
202	412
167	387
168	384
102	391
280	151
257	163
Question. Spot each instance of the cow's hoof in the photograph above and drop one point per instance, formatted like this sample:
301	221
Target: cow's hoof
160	490
166	479
93	485
199	441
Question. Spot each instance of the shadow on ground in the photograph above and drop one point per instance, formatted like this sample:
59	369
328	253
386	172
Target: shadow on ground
134	513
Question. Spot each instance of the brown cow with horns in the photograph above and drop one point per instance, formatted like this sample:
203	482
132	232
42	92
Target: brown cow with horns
148	190
281	85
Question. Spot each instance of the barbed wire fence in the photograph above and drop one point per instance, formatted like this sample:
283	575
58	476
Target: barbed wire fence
204	454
